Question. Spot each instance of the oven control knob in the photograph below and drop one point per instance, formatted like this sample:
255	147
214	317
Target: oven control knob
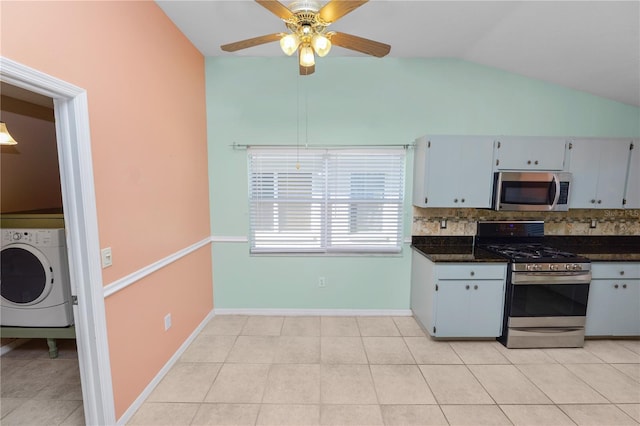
553	267
534	267
577	267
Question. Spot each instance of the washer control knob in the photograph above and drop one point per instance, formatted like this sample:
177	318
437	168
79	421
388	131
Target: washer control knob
17	236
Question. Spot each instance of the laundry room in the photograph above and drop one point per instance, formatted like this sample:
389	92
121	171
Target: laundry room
38	350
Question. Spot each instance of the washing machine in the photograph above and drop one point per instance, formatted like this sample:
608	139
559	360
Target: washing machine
34	280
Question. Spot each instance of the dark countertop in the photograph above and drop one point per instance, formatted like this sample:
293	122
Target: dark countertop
600	248
452	249
595	248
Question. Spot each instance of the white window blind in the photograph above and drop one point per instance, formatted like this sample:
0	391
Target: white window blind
335	201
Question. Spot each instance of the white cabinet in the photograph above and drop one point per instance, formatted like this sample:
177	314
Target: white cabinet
529	153
613	308
599	168
632	192
458	299
453	171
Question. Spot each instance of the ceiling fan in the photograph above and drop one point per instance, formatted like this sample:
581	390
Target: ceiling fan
308	24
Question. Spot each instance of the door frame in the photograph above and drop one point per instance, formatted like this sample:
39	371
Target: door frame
81	224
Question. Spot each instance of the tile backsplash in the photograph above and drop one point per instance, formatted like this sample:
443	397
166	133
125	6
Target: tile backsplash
429	221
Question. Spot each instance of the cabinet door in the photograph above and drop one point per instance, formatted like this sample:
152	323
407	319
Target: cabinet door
530	153
452	309
632	194
469	308
475	174
613	308
459	171
599	168
486	308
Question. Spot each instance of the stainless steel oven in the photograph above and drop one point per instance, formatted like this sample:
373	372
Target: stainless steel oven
546	305
546	291
531	191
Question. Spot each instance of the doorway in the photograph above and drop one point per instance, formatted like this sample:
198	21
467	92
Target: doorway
79	204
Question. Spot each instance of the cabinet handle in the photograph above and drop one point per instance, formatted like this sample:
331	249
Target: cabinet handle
593	201
621	272
462	200
536	162
472	273
475	287
616	286
529	162
467	287
624	286
455	200
599	201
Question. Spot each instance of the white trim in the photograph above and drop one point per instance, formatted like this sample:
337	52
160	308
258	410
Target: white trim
81	222
5	349
228	239
156	380
124	282
317	312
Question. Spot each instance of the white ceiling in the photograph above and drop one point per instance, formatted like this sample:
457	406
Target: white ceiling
593	46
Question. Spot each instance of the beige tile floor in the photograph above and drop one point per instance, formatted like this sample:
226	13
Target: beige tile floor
37	390
259	370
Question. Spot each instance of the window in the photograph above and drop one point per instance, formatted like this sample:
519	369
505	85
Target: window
335	201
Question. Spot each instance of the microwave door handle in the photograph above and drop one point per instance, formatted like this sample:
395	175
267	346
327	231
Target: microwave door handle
556	196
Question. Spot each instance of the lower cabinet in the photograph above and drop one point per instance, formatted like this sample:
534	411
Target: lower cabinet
458	299
614	300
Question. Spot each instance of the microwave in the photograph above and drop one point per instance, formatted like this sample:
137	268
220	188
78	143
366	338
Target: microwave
531	191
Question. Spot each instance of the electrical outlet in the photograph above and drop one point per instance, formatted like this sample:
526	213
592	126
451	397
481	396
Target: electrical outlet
593	224
322	282
443	224
107	259
167	322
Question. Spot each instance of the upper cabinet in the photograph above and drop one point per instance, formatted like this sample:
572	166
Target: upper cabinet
632	192
453	171
529	153
599	168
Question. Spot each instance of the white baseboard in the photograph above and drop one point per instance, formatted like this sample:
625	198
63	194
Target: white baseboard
156	380
317	312
12	345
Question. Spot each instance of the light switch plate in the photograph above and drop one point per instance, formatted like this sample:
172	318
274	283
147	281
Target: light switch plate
107	259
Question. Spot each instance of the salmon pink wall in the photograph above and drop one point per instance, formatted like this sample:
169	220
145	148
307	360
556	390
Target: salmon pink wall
146	93
29	174
183	280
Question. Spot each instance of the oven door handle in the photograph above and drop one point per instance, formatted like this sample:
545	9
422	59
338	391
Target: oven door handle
548	330
526	278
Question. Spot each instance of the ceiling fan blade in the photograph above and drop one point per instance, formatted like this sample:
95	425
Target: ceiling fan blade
276	8
250	42
359	44
336	9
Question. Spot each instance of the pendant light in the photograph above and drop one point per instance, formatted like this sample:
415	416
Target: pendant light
5	136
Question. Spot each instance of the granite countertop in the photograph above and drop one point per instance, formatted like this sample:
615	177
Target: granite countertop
600	248
594	248
452	249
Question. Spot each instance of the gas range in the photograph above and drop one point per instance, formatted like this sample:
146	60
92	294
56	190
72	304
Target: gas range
538	257
546	290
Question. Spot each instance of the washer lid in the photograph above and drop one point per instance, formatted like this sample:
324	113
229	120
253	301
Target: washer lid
26	276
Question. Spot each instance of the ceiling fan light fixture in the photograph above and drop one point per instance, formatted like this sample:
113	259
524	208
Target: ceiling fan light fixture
307	58
289	43
5	136
321	44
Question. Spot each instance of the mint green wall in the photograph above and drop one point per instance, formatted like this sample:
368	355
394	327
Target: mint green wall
360	101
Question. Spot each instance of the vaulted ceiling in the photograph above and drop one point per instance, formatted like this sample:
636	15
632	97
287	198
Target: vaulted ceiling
593	46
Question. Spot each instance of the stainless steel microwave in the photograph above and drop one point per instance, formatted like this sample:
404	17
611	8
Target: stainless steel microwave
531	191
